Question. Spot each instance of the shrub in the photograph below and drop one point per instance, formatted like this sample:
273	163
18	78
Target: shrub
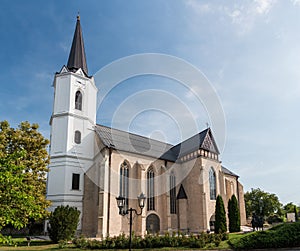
274	219
63	223
220	224
195	242
218	239
80	242
62	244
284	235
152	241
7	240
234	215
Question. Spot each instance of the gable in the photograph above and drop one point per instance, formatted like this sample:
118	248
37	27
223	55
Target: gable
80	72
209	143
64	69
203	140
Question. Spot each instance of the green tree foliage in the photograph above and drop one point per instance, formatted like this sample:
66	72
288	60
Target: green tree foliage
234	215
63	223
289	207
220	224
296	213
23	168
261	203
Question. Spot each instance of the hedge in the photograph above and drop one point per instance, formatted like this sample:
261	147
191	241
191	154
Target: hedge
152	241
281	236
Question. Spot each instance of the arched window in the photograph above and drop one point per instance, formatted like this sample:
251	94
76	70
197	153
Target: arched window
77	137
172	193
124	183
212	184
150	189
78	100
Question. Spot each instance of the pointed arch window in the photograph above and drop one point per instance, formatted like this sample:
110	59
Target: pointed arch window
172	193
150	190
124	183
212	184
78	100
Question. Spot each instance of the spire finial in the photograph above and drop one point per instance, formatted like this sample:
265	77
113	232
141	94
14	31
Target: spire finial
78	16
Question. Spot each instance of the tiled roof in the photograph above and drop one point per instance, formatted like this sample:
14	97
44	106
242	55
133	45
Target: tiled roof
129	142
227	171
133	143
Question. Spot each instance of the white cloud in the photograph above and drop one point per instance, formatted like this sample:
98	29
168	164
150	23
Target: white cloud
263	6
199	7
243	14
44	76
295	2
246	15
64	46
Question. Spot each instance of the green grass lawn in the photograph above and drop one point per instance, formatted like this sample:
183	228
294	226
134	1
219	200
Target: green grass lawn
37	245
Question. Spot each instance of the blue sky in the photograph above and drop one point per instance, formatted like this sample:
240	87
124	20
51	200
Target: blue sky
248	50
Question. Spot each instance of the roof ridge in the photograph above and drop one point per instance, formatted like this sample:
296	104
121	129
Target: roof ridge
135	134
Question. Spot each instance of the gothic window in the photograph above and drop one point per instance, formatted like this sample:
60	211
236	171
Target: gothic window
77	137
124	183
172	193
75	181
212	184
78	100
150	189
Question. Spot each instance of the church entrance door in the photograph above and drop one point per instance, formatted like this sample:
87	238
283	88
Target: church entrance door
152	224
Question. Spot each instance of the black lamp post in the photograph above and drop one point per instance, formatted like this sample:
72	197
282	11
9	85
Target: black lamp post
122	211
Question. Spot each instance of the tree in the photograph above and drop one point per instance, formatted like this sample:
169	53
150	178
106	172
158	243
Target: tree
289	207
234	215
296	213
261	203
220	224
23	168
63	223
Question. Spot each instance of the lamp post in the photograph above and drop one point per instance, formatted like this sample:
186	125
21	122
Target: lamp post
122	211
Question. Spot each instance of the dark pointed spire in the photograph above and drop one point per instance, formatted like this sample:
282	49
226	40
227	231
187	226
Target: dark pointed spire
77	57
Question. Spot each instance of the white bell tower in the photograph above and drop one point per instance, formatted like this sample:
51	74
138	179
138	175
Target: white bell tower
72	128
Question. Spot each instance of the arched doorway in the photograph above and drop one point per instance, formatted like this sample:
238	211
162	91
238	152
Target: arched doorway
152	224
212	222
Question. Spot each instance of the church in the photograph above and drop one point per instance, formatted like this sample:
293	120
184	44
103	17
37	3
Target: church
91	165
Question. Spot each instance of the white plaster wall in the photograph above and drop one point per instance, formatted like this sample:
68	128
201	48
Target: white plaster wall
66	156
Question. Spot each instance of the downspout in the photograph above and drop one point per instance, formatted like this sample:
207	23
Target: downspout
108	199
